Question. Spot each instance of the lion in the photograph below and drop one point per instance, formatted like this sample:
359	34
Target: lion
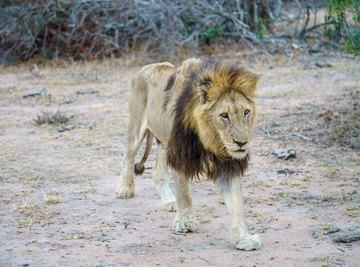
201	115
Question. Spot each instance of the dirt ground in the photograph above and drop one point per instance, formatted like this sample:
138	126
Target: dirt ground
57	182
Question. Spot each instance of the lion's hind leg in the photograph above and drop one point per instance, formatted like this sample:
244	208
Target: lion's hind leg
126	186
136	132
161	180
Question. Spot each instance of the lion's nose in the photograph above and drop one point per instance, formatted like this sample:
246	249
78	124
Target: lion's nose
240	144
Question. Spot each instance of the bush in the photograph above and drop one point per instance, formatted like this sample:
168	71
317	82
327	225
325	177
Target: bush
341	28
94	29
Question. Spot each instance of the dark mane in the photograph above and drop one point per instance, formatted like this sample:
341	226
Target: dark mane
185	153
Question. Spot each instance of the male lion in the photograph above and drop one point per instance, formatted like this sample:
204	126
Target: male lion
202	116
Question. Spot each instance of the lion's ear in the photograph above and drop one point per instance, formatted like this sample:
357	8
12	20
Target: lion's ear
249	82
202	90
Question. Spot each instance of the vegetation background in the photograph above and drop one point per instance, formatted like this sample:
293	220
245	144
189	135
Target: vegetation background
92	29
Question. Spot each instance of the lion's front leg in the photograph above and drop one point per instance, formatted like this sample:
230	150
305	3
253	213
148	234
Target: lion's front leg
232	193
185	220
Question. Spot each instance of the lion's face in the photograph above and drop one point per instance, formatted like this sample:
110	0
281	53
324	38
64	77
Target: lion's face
233	117
225	125
225	114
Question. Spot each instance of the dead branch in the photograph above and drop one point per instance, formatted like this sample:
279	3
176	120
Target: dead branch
94	29
303	31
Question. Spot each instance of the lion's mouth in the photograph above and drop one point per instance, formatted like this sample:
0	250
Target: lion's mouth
240	150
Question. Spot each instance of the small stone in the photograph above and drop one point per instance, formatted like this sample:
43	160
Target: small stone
64	128
37	92
315	234
285	171
347	237
332	231
284	154
323	64
315	48
295	46
87	92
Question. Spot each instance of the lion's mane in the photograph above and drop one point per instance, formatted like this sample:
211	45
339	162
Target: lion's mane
186	153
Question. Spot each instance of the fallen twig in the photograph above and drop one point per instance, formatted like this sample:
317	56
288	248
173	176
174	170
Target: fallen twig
272	136
306	138
178	233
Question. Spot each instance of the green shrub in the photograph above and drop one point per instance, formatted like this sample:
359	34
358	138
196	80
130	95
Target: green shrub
340	27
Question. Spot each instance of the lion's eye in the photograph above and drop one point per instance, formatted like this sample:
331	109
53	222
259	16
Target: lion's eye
224	116
246	112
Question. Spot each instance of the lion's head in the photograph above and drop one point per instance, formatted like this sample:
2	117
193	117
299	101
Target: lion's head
217	106
225	115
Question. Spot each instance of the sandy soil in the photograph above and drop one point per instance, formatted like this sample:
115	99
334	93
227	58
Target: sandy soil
57	191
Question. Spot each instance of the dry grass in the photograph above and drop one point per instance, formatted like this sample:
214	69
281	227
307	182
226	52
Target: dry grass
30	212
343	120
56	118
52	197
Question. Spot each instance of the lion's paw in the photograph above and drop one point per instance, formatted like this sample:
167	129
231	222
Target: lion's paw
185	224
170	206
251	242
125	191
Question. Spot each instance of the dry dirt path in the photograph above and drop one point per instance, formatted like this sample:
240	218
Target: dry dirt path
57	189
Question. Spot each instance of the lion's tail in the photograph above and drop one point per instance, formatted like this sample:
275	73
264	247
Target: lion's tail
139	167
